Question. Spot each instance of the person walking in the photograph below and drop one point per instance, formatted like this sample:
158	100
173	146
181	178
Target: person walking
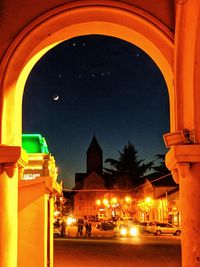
63	228
86	229
78	230
81	229
89	229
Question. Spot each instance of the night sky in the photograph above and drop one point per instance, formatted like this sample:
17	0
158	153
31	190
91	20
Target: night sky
105	86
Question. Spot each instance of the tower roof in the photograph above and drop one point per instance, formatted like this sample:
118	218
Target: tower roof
94	146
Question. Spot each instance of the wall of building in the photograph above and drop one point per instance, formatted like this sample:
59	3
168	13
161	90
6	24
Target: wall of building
33	226
27	11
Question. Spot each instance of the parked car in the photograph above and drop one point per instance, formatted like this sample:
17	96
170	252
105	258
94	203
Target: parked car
109	225
126	230
56	231
142	226
164	228
149	225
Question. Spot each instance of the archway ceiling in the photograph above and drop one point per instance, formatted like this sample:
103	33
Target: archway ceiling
10	26
112	18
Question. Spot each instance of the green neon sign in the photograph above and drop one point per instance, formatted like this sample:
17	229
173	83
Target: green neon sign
34	143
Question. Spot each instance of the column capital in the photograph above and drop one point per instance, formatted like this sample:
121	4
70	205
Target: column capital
12	157
181	2
180	158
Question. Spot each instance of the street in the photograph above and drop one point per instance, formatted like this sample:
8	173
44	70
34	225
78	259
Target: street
106	250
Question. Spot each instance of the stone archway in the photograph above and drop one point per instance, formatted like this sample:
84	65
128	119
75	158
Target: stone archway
49	30
135	26
121	21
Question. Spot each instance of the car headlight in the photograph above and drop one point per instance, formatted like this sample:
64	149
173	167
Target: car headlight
133	231
123	231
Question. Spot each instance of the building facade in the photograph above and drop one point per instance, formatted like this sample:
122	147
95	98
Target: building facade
37	188
90	184
159	201
93	197
152	199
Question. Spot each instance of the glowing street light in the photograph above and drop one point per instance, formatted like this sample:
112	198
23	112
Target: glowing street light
105	202
98	202
127	199
114	200
148	200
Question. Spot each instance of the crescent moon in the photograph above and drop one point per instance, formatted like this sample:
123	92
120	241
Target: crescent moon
55	97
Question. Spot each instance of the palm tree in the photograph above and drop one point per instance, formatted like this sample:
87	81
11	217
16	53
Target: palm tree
128	163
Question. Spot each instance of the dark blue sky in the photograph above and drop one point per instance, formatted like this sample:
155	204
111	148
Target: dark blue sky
105	86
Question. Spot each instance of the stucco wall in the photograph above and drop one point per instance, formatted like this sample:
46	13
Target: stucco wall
15	15
33	226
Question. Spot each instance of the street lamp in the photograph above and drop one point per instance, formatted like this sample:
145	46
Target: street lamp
127	199
114	200
105	202
148	200
98	202
178	138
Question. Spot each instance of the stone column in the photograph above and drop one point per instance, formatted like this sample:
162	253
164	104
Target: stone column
12	159
184	163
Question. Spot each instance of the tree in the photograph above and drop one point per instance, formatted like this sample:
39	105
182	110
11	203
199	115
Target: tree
128	163
161	169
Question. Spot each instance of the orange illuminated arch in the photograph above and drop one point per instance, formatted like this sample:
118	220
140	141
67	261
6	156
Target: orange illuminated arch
72	20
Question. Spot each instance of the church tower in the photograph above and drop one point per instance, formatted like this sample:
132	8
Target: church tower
94	157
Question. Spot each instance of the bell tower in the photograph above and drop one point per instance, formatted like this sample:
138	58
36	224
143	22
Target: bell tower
94	157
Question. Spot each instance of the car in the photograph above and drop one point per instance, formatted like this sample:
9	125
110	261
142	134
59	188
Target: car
109	225
126	230
149	225
56	231
142	226
164	228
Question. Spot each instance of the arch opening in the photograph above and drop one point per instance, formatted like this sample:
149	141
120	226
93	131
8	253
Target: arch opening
67	22
97	78
64	24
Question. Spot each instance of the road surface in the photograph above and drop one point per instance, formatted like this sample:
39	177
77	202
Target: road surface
100	251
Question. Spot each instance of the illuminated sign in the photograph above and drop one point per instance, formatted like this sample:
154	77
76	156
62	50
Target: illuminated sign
34	143
30	176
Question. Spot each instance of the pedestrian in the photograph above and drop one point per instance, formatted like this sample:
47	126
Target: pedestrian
86	230
81	229
63	228
89	229
78	230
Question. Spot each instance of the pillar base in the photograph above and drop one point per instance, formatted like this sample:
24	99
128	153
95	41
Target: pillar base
12	158
184	163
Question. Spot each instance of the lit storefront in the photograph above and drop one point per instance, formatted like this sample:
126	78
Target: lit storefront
40	162
37	189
